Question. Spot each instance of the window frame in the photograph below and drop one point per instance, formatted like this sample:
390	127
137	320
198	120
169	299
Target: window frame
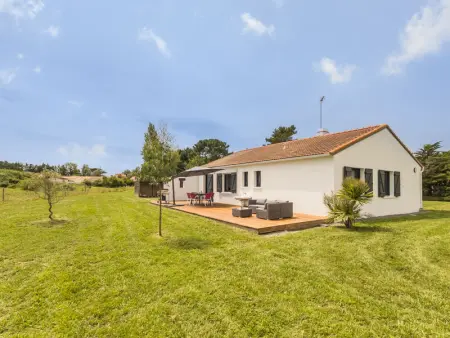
352	172
258	184
245	179
219	187
228	182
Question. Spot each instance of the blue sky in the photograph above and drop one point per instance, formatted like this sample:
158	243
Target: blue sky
80	80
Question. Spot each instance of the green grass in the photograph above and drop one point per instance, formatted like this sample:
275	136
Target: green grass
105	272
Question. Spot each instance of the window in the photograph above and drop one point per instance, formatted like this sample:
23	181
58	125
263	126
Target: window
209	183
352	172
368	178
397	184
384	183
181	182
219	182
245	178
258	179
387	188
230	183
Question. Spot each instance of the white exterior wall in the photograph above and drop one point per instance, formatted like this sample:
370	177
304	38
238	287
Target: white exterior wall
190	185
382	151
301	181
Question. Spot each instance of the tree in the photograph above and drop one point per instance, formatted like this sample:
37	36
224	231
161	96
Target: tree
436	175
211	149
204	151
428	151
87	185
136	172
196	161
48	187
127	173
97	172
185	155
62	170
346	205
85	170
72	169
160	159
282	134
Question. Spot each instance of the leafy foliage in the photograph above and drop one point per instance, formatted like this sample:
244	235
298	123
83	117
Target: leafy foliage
427	151
11	178
436	175
160	159
48	187
159	155
346	205
112	182
204	151
282	134
68	169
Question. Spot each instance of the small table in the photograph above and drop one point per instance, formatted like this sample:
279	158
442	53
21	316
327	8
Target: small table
242	212
244	201
200	196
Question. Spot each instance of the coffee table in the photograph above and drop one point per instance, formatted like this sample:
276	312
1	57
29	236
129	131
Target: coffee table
242	212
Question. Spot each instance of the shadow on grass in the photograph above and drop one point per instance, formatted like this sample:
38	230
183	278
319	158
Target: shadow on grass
189	243
46	223
423	215
364	228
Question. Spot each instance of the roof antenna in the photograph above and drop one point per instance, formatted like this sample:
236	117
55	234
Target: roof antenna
321	131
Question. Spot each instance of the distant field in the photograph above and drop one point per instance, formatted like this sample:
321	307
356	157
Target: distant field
105	273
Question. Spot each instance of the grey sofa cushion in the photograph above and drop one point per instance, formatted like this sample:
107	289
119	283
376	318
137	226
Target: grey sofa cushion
276	210
255	206
261	201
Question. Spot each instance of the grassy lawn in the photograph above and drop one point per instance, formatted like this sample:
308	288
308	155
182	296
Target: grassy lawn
106	273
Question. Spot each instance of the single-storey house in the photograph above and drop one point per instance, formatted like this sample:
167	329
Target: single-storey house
303	170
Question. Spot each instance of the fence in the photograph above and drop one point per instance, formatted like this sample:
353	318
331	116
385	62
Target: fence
146	189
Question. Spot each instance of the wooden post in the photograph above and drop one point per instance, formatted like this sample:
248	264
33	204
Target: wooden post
160	213
173	191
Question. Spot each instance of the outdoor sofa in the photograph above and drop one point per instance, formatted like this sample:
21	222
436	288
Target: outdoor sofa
276	210
257	204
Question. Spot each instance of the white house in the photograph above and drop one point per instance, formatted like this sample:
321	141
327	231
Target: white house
302	171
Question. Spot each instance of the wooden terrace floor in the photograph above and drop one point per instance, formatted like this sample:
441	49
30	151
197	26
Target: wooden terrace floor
222	213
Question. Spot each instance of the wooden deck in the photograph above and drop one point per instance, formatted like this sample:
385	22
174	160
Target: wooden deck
222	213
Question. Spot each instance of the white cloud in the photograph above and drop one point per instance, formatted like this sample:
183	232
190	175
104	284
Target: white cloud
425	33
278	3
75	103
7	76
53	31
146	34
254	25
37	70
80	154
21	9
337	73
20	56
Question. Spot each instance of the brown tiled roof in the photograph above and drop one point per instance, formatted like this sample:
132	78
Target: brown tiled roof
318	145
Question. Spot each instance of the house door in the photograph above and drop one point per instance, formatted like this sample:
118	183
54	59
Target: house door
209	183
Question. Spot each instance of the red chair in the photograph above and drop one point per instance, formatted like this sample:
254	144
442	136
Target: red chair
209	198
193	197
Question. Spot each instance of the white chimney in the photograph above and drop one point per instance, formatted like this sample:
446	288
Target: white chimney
322	131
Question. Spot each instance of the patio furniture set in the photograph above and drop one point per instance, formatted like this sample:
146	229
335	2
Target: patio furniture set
198	197
264	209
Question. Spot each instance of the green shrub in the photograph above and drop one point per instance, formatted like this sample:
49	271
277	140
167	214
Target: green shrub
10	178
346	205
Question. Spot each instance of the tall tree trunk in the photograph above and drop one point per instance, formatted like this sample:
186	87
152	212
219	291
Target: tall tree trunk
160	212
173	191
50	210
348	224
